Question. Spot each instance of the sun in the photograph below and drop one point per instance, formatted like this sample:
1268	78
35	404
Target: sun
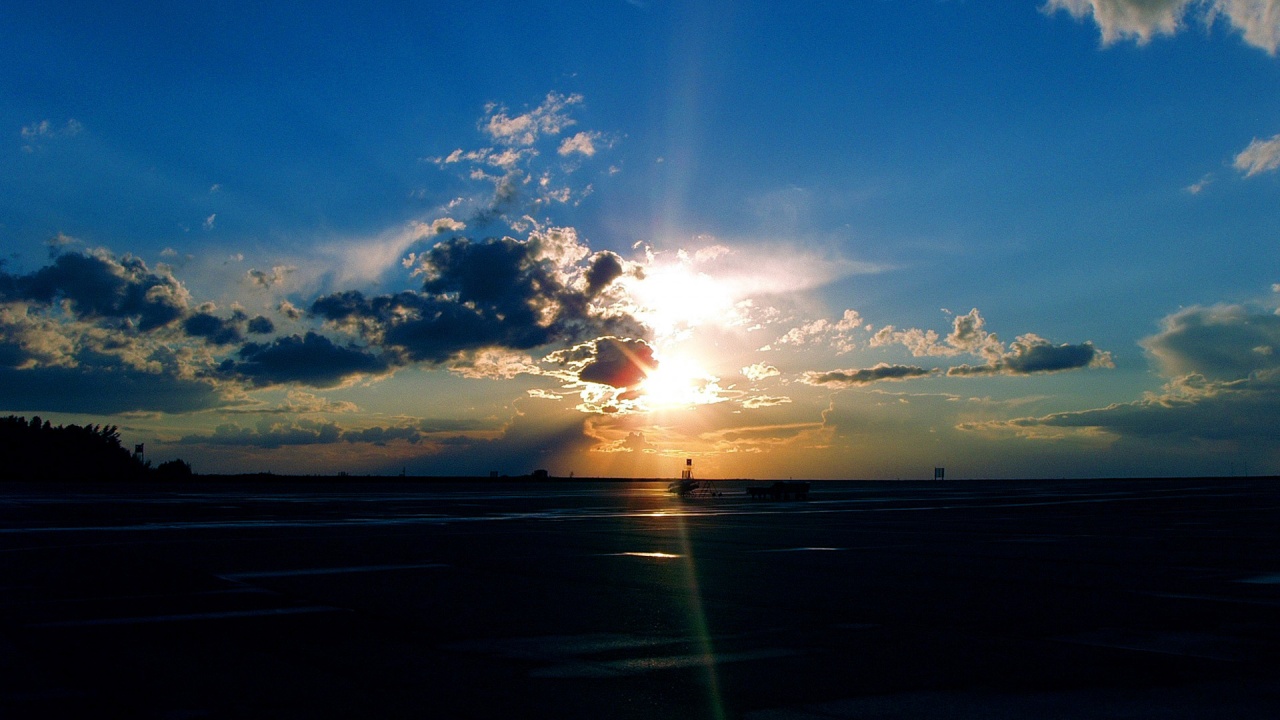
674	297
679	382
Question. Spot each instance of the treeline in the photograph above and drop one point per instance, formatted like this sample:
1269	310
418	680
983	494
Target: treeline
38	450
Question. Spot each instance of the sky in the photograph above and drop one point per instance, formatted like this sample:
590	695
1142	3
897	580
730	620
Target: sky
602	238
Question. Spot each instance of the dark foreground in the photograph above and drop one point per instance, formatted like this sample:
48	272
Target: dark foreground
1063	599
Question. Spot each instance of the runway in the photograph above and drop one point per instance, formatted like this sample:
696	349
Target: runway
870	600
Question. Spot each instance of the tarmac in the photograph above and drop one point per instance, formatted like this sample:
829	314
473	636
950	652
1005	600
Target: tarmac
870	600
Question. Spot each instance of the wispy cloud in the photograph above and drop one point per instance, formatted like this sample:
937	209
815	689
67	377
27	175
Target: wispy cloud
36	133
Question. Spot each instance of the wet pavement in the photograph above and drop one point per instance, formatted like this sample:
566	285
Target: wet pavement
877	600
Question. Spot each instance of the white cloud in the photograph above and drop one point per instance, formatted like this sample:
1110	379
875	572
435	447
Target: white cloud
760	371
838	335
549	118
1198	186
1119	19
583	143
1257	20
1261	156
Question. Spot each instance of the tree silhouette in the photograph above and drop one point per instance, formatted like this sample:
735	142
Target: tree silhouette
36	450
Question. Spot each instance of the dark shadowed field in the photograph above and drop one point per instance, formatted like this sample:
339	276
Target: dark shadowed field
971	599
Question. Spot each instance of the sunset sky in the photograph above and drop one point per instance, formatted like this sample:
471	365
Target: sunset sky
814	239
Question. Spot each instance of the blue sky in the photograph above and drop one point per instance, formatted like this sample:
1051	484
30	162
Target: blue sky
826	240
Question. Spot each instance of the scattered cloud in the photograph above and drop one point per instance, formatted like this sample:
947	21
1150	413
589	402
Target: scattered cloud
760	371
549	118
764	401
1258	21
1261	155
838	335
618	362
275	276
863	376
1223	387
1028	354
495	293
1224	342
311	359
35	134
1197	187
96	285
583	143
1031	354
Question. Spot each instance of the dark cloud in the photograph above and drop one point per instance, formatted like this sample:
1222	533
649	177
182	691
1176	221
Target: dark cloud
1226	342
102	391
605	268
1030	354
1190	409
270	435
261	325
501	293
98	286
617	362
1224	386
864	376
213	328
308	360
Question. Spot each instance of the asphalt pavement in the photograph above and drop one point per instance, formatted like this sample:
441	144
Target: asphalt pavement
871	600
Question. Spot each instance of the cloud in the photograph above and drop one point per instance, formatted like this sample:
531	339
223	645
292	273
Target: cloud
1224	385
308	360
264	279
98	286
38	132
549	118
1258	21
968	335
215	329
618	362
1190	409
1031	354
764	401
1118	19
1027	355
493	364
837	335
583	143
103	390
495	293
760	371
366	259
1224	342
1197	187
1261	155
863	376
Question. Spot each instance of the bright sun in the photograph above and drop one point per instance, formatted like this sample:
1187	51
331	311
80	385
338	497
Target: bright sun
674	297
679	382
